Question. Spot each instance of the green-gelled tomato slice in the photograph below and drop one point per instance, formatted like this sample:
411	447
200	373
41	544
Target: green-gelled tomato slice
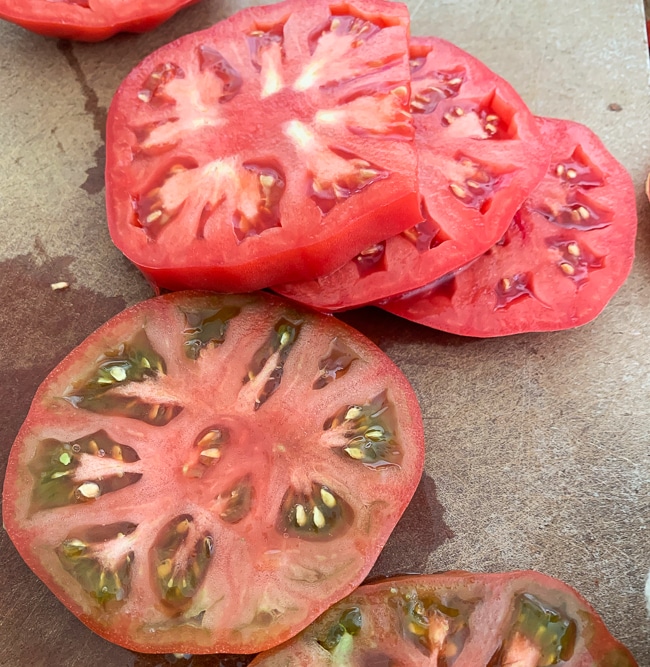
189	479
512	619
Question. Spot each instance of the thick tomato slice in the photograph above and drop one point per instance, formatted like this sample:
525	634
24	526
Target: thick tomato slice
456	619
566	252
209	473
273	146
89	20
480	154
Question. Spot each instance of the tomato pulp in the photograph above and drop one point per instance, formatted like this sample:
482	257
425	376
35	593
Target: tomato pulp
269	148
209	473
475	620
566	252
89	20
480	154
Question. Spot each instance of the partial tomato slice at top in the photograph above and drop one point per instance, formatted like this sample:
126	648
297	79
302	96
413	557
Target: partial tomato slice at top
89	20
566	252
480	155
273	146
457	619
208	474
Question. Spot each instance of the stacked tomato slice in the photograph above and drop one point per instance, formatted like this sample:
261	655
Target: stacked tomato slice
316	149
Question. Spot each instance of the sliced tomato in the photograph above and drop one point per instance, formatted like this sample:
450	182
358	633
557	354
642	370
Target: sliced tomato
273	146
566	252
89	20
480	155
208	474
513	619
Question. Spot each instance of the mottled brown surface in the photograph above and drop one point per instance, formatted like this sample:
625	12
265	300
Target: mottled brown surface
537	453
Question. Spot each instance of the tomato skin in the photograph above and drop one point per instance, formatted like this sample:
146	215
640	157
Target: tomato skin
295	576
446	81
485	602
198	151
550	271
100	20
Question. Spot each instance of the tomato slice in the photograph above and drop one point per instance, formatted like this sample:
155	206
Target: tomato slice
480	154
209	473
89	20
513	619
566	252
271	147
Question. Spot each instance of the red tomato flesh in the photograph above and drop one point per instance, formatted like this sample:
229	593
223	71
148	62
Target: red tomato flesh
89	20
210	473
480	154
566	252
456	619
271	147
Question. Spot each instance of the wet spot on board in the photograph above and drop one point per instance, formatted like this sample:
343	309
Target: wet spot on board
40	326
420	531
94	182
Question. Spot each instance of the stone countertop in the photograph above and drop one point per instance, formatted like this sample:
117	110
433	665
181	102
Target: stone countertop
537	445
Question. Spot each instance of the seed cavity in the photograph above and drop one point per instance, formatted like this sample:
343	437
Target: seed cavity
133	361
318	515
342	632
275	350
180	558
335	364
433	86
576	261
236	504
539	630
513	288
101	559
206	328
152	91
367	432
211	60
269	183
56	465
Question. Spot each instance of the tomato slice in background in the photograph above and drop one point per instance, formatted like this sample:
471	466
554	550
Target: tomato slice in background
566	252
480	154
89	20
456	619
209	473
271	147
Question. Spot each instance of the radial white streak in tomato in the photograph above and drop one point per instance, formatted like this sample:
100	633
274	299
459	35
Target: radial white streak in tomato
379	114
334	54
270	76
301	135
335	171
111	552
97	467
189	114
220	180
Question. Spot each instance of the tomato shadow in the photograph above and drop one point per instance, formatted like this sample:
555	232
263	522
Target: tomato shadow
150	660
384	329
420	531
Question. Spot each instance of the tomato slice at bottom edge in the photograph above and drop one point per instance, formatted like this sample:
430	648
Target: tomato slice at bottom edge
567	251
209	473
475	620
